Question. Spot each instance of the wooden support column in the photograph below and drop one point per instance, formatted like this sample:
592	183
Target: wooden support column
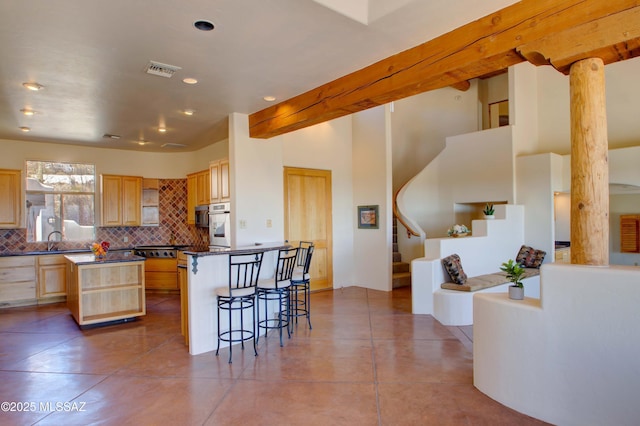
589	164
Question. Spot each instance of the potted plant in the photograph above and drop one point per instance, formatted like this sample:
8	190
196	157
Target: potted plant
488	211
514	274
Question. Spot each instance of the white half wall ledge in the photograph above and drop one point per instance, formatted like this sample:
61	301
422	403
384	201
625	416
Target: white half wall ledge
570	358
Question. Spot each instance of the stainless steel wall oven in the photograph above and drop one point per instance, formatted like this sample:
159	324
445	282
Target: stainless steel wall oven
220	225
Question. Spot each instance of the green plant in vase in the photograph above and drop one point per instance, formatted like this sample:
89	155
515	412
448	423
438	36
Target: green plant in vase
515	274
488	210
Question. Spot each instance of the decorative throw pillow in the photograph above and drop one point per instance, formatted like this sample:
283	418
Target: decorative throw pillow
454	267
529	257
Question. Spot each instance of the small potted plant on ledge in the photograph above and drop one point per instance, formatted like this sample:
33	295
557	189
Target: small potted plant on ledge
489	211
514	274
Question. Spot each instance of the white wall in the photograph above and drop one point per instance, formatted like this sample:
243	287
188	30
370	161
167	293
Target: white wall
624	165
462	173
562	215
420	125
372	186
258	189
623	102
327	146
570	358
110	161
523	108
536	175
256	185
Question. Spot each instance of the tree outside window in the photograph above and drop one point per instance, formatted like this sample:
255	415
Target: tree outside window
60	197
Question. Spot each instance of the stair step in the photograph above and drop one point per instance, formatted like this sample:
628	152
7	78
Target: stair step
401	267
397	257
401	279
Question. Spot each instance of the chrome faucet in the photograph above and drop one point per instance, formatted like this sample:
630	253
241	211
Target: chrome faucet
49	242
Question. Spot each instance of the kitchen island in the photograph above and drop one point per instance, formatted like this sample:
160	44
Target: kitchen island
207	270
105	290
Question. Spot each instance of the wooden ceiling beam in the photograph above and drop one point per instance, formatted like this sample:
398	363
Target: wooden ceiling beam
611	38
479	48
462	86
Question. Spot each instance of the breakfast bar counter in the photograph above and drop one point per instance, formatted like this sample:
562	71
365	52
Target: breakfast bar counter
107	289
206	271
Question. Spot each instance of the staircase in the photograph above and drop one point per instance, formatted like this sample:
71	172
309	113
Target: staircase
401	270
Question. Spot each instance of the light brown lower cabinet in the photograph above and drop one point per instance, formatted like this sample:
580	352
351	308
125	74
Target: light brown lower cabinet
103	292
161	274
17	280
52	278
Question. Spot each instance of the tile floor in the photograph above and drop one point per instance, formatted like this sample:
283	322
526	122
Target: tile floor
367	361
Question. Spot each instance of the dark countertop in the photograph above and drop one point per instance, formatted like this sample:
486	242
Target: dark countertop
111	257
69	251
248	249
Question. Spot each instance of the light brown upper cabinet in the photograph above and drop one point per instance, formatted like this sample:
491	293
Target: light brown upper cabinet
203	188
121	200
219	171
630	233
10	193
192	182
198	193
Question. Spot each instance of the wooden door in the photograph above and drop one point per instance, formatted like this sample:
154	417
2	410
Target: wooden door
307	217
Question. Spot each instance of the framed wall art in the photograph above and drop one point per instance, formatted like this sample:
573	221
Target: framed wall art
368	217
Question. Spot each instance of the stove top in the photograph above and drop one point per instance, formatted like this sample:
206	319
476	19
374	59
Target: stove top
156	251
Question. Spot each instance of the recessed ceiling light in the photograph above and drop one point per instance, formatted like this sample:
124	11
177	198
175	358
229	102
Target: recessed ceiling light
33	86
189	80
203	25
189	111
269	98
27	111
25	129
162	129
142	142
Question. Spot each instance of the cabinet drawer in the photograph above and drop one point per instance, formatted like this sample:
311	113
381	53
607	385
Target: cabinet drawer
11	291
161	265
161	280
18	274
16	261
51	259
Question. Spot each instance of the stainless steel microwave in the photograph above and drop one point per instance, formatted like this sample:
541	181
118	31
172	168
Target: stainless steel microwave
202	216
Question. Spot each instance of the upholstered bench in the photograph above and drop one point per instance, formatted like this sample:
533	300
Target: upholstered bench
453	303
486	281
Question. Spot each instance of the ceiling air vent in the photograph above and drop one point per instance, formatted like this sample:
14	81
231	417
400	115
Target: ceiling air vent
172	145
163	70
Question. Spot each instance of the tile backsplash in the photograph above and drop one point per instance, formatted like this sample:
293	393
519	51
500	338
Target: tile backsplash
173	223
